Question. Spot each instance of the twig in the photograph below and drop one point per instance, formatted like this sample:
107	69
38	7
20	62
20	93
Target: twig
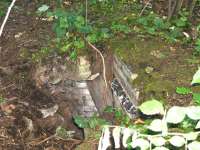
40	142
51	137
6	17
144	8
103	61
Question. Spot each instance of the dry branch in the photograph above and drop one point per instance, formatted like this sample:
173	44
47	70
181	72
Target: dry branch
6	17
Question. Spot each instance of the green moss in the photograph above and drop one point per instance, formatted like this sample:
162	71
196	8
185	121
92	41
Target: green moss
170	66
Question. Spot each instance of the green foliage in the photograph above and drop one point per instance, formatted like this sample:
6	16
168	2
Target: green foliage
196	78
42	53
172	30
197	47
2	100
116	27
152	23
3	6
182	21
91	122
183	90
163	134
119	115
152	107
196	98
63	133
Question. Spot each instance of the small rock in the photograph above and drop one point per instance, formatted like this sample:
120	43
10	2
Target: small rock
134	76
49	111
157	54
149	69
18	35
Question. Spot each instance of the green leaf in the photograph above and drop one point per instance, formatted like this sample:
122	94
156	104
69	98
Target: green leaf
175	115
191	136
156	125
94	122
43	8
73	55
118	113
183	90
157	141
196	98
196	78
177	141
109	109
81	122
194	145
66	47
141	143
193	112
152	107
92	38
79	44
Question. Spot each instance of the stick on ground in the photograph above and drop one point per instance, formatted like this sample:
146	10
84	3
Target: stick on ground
6	17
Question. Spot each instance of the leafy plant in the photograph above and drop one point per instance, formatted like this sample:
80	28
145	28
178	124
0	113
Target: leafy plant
91	122
116	27
196	98
183	90
161	136
63	133
196	78
120	116
152	107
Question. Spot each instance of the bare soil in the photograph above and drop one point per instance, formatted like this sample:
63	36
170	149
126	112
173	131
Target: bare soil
23	99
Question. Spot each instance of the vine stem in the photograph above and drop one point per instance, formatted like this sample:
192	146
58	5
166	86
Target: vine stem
6	17
103	61
144	8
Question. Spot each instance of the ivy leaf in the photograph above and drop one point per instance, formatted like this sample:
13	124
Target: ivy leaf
191	136
156	125
183	90
141	143
194	145
193	112
177	141
81	122
175	115
152	107
196	97
158	141
196	78
160	148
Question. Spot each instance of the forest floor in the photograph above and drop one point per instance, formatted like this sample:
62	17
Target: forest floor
169	66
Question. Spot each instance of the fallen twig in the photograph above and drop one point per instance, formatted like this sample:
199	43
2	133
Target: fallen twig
35	143
103	61
6	17
144	8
